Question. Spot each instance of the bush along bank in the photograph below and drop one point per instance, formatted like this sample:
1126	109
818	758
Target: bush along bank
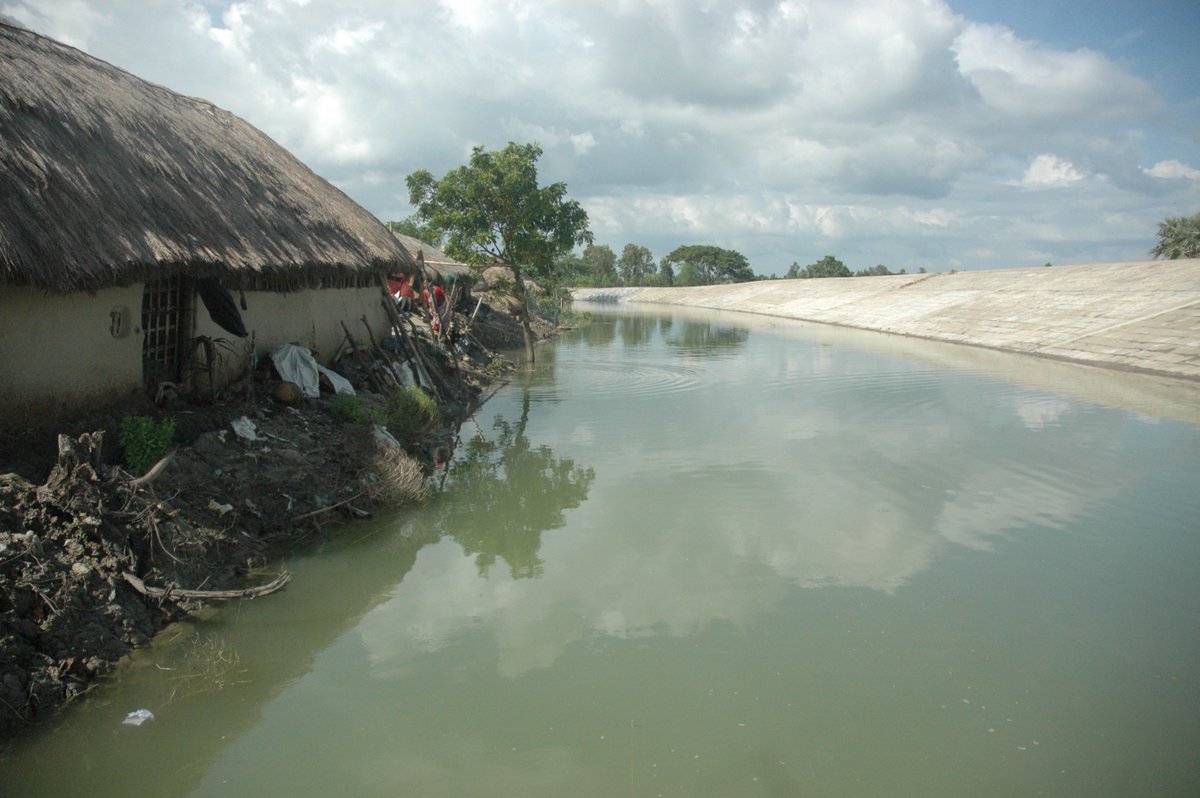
118	541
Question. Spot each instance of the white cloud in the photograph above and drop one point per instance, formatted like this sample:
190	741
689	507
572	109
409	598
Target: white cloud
1022	81
582	142
684	122
72	22
1050	170
1174	169
347	41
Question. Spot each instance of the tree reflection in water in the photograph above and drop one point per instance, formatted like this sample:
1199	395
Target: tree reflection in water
507	492
599	332
637	330
704	338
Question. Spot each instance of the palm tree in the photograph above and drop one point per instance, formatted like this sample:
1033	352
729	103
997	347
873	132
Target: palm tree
1178	237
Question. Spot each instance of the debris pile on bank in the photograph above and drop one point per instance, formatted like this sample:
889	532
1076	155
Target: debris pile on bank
94	560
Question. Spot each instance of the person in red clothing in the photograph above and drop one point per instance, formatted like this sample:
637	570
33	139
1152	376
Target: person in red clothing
401	290
439	310
408	297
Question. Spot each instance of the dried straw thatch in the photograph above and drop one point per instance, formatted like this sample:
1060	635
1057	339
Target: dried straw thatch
444	268
107	179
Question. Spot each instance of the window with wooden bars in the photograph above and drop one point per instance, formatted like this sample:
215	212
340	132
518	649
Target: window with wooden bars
166	318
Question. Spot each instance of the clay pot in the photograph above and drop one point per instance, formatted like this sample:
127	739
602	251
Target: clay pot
289	393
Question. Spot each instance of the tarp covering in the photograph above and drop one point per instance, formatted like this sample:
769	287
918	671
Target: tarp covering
297	364
221	307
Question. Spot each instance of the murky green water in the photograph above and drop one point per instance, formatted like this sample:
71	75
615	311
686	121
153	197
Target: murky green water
691	558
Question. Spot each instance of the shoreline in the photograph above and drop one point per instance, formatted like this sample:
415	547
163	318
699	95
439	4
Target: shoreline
94	561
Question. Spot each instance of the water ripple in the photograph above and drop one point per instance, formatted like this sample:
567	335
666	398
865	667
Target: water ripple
631	378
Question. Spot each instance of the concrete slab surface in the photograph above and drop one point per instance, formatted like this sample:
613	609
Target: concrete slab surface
1142	316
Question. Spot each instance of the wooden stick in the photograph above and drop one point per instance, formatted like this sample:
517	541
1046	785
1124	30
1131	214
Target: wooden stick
207	595
420	372
326	509
371	336
390	359
372	377
350	338
252	365
154	471
471	320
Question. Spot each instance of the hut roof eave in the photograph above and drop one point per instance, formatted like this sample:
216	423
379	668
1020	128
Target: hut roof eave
109	179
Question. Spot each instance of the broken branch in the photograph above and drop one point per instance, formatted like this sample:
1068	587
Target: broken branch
207	595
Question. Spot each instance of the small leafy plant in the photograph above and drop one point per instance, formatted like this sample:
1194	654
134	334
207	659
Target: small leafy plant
145	441
410	411
350	409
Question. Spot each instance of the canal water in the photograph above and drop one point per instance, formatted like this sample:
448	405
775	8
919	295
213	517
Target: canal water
714	555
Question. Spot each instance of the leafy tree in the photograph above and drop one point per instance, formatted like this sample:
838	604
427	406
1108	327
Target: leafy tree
412	226
666	274
571	269
601	264
701	264
875	271
827	266
793	271
492	211
636	264
1178	237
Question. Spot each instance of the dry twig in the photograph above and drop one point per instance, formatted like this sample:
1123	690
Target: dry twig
207	595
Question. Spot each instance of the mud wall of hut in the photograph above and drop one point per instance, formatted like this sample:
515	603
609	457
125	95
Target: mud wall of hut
68	350
310	318
59	354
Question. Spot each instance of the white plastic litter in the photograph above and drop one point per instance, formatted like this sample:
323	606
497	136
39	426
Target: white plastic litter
340	383
403	373
296	364
138	717
244	428
385	439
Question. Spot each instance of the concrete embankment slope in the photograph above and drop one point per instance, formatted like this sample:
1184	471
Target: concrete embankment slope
1135	316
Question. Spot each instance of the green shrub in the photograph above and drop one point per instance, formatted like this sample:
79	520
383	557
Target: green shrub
145	441
350	409
410	411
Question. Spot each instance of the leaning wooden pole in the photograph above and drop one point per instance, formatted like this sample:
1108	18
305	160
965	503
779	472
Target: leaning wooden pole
423	374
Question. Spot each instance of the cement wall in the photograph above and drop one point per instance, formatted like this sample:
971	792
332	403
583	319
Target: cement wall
1141	316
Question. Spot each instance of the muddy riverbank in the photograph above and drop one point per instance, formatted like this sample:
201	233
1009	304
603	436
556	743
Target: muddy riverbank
93	557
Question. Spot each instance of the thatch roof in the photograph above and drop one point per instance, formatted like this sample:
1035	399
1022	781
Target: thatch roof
107	179
445	269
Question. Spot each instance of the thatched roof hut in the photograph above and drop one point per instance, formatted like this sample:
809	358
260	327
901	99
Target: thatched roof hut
441	266
108	180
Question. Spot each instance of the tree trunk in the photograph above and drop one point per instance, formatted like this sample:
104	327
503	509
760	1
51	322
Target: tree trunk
519	293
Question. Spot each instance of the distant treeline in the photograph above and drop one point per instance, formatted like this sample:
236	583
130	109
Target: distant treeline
693	264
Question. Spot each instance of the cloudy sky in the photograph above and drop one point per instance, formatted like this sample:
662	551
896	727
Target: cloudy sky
914	133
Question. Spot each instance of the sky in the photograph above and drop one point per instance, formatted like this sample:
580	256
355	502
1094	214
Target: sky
967	134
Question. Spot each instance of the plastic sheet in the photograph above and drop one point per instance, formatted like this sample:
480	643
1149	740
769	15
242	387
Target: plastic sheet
297	364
